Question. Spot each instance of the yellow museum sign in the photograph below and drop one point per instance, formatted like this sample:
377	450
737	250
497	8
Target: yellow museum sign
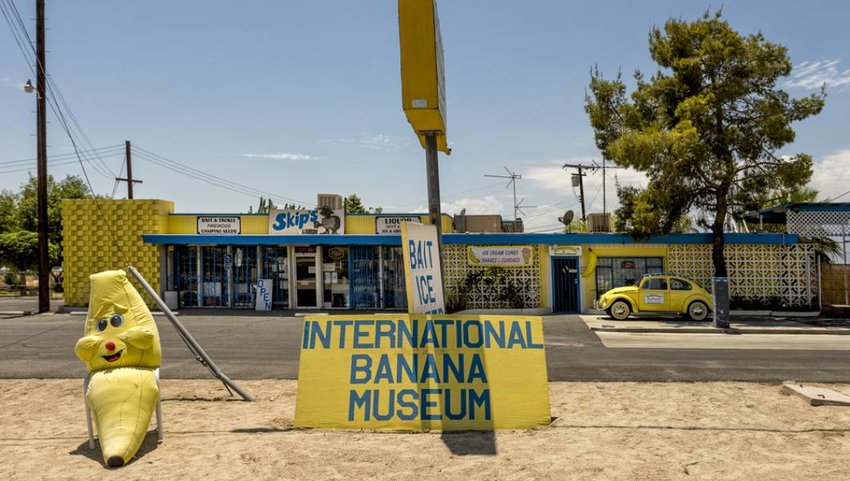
417	372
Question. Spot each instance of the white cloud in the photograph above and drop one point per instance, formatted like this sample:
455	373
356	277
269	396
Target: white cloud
482	205
281	156
831	175
813	75
372	142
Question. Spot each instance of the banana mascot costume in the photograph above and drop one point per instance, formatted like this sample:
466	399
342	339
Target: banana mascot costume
121	351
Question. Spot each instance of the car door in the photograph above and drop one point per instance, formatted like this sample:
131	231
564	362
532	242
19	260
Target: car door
654	295
680	290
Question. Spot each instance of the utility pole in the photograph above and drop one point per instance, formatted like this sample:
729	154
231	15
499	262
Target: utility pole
128	155
513	176
580	177
41	113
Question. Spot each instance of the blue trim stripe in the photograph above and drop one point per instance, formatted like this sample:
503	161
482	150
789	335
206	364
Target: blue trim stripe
463	239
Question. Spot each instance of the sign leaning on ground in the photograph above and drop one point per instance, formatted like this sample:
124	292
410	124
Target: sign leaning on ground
391	225
417	372
423	91
263	299
422	269
219	225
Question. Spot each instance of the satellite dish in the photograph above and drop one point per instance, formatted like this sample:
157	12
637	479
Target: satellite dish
462	212
567	218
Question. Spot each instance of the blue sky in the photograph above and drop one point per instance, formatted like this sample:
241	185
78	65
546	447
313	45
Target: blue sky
297	98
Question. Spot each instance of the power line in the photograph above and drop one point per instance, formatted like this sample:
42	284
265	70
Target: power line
21	36
209	178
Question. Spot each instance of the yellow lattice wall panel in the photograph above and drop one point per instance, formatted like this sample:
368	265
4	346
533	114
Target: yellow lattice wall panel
89	247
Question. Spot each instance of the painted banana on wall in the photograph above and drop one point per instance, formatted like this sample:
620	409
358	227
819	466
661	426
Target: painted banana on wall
121	350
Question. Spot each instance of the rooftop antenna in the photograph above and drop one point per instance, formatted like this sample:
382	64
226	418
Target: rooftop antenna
513	176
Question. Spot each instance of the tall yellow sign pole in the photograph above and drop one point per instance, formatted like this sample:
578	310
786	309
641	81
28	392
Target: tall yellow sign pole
423	91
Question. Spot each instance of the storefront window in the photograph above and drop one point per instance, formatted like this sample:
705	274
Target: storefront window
186	275
244	275
614	272
335	277
364	274
276	268
214	265
392	270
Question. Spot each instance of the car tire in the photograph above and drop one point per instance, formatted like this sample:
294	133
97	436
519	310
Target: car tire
620	310
697	311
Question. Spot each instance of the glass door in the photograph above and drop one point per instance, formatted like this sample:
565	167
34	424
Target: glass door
186	275
244	275
306	277
214	267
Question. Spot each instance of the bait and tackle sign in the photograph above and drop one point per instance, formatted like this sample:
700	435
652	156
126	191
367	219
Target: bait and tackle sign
416	372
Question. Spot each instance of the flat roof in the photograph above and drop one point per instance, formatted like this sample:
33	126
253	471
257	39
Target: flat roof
463	239
777	214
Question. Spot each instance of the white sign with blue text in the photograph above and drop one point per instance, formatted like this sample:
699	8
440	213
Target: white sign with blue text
422	270
306	221
263	299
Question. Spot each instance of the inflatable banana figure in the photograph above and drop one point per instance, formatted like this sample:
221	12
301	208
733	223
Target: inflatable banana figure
121	351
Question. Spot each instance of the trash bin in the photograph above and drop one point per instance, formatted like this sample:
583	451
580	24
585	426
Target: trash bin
720	297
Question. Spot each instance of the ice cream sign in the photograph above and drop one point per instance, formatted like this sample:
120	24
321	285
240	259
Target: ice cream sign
502	256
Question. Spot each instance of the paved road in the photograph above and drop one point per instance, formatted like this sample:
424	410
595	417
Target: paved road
266	347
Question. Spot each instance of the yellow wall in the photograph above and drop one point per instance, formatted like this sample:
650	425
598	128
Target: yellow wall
188	223
588	284
88	247
365	223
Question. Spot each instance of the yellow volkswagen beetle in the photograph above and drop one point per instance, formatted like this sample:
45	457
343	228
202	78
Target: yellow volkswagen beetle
660	293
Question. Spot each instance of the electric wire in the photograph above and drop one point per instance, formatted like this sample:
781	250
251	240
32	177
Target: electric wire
21	36
210	178
71	155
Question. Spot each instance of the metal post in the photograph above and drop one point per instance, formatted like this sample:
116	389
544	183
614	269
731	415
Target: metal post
41	108
129	154
186	336
581	194
844	245
433	174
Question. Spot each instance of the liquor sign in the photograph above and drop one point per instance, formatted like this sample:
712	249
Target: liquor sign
219	225
391	225
502	256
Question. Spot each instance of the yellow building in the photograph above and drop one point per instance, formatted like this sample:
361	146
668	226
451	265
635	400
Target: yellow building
324	259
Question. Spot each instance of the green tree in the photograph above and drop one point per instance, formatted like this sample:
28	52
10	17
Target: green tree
20	250
8	211
353	205
706	128
71	187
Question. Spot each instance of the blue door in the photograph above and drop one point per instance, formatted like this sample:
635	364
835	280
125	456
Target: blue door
565	285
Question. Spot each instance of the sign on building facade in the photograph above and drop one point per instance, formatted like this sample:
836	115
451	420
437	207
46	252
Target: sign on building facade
501	256
219	225
391	225
306	221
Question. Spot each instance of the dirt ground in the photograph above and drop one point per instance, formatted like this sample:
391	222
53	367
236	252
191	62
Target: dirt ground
628	431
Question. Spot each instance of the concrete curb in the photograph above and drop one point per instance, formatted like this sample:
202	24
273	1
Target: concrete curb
731	330
16	313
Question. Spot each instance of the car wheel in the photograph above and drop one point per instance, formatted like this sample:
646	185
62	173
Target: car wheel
620	310
697	311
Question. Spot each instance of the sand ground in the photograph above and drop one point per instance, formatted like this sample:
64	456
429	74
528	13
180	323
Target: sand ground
628	431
